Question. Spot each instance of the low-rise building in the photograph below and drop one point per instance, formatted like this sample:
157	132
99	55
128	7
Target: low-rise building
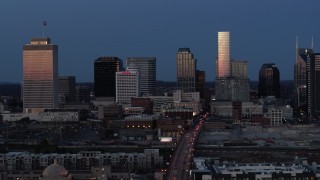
225	109
160	103
133	110
26	162
110	111
275	116
139	127
179	113
59	115
228	170
170	127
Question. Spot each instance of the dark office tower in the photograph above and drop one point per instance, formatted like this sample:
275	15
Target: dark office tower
200	82
67	89
82	94
186	70
269	81
147	66
105	69
300	76
313	83
40	75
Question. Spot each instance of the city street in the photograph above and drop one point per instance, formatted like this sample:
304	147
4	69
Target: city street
181	162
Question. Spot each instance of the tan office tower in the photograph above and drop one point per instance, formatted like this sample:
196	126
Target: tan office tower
186	70
223	59
40	75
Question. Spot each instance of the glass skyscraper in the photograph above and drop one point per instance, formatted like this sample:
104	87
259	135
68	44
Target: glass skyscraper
269	81
105	69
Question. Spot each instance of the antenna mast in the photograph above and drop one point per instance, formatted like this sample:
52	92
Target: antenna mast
44	28
312	42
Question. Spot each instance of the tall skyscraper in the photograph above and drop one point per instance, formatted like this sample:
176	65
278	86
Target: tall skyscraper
313	84
269	81
186	70
232	83
127	85
223	59
147	67
67	89
300	76
105	69
40	75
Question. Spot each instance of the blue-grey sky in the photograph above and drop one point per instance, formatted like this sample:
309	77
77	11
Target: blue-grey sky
262	31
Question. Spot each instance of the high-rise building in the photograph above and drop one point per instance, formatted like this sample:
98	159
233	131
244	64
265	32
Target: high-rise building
269	81
300	76
307	81
200	82
223	59
232	83
105	69
186	70
313	83
147	67
40	75
82	94
67	89
127	85
239	69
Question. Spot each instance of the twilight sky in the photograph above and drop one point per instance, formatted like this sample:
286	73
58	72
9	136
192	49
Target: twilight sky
262	31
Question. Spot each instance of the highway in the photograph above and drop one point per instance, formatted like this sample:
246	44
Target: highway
181	162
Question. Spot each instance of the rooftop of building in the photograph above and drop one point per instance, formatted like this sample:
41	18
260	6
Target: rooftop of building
141	58
108	59
184	50
41	40
269	65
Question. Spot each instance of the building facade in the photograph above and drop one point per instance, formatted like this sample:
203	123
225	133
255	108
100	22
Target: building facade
232	83
186	70
83	161
225	109
300	76
223	60
127	85
232	89
148	68
105	77
67	89
269	81
239	69
40	75
313	84
82	94
200	83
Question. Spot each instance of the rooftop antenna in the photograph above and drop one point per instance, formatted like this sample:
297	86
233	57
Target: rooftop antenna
44	28
312	42
297	46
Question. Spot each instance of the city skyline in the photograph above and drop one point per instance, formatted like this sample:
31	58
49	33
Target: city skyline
86	32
